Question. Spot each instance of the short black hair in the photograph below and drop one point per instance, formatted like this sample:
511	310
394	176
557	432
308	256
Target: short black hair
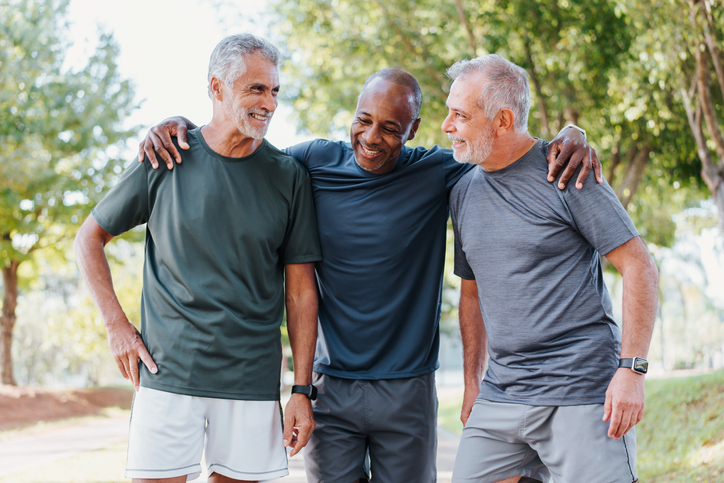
399	77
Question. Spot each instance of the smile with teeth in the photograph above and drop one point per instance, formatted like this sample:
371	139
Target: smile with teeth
260	117
369	152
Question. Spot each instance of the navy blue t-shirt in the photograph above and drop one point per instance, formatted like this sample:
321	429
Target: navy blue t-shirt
383	250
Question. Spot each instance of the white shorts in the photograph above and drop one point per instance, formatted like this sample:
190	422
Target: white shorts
166	437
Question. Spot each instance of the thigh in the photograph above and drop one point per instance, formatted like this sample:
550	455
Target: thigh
492	449
337	450
244	439
166	435
403	429
578	448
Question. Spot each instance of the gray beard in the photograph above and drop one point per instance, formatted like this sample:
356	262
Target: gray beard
478	151
241	118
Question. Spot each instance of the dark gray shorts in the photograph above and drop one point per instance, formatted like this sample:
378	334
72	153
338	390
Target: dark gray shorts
392	420
569	443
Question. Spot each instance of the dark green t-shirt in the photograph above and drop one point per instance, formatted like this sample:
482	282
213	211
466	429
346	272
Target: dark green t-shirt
219	232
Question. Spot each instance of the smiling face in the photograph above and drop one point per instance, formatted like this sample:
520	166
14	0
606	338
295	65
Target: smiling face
252	99
383	123
467	127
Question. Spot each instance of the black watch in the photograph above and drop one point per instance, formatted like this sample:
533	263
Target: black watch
309	391
638	364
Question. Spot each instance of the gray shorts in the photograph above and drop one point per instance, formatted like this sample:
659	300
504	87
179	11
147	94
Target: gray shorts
394	421
569	443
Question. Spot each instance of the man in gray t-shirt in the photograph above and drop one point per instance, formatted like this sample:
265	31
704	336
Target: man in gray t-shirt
564	386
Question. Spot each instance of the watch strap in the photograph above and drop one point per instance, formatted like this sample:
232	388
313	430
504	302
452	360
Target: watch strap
631	363
310	391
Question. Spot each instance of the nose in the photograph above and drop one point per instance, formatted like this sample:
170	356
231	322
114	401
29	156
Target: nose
447	125
269	102
371	135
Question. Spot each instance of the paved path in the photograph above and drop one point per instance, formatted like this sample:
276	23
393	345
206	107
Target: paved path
32	450
25	452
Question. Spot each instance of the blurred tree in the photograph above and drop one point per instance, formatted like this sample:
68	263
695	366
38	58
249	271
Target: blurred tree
59	134
590	62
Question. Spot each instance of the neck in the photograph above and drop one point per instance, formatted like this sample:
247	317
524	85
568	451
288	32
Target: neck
507	150
224	138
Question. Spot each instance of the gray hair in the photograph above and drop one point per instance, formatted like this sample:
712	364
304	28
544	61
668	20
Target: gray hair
507	87
227	61
399	77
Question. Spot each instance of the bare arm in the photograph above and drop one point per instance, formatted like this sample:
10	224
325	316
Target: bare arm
472	332
570	149
301	300
124	340
158	140
624	404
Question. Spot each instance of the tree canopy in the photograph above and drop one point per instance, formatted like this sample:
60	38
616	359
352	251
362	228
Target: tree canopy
60	129
615	67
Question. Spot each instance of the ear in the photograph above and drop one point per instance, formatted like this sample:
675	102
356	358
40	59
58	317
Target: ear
413	129
215	88
504	122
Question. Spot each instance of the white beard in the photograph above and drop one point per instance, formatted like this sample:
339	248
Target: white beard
477	151
241	119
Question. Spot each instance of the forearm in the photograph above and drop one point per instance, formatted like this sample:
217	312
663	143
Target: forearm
474	338
302	306
93	264
639	309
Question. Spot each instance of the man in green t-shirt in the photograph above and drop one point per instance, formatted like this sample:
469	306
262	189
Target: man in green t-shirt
231	235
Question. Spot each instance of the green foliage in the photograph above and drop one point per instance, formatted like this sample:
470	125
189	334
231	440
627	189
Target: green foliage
614	67
60	129
59	332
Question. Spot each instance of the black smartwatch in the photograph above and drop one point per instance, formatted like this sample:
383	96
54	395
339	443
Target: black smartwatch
309	391
638	364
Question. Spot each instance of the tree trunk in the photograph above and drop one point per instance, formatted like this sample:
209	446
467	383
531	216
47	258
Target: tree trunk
468	30
634	173
615	161
712	43
7	321
545	126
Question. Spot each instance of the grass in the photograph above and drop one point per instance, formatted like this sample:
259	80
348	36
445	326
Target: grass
680	439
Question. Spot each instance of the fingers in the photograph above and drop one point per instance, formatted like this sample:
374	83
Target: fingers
585	169
163	146
607	406
133	370
147	146
146	358
121	368
304	432
575	160
554	150
181	137
596	165
288	435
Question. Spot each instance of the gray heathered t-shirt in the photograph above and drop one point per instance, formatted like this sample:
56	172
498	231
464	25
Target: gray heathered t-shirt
219	232
533	251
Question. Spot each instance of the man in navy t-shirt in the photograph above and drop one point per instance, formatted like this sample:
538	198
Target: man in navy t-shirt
382	211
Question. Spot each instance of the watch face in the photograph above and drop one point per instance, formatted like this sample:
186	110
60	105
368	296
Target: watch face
640	365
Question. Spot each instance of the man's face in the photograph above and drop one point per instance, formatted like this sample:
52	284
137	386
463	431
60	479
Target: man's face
383	123
252	99
466	126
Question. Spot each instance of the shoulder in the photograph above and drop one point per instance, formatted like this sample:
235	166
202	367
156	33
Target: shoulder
461	188
434	155
284	161
316	151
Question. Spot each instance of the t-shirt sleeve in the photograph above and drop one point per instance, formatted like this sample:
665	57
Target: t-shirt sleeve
126	204
301	242
598	214
452	171
462	267
299	152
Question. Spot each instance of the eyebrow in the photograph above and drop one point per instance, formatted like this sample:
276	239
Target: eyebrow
260	85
